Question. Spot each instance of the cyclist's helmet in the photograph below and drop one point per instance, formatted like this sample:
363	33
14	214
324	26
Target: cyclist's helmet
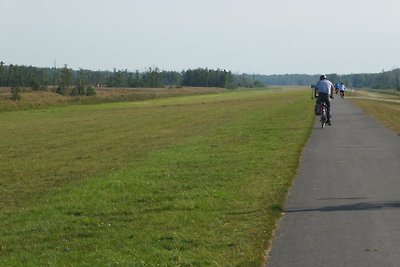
322	77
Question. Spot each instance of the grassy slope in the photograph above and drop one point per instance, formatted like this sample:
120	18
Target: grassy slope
191	181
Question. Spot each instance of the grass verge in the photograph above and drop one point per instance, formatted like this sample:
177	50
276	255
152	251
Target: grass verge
186	181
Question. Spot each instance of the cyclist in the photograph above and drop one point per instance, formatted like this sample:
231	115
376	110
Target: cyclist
337	87
323	90
342	89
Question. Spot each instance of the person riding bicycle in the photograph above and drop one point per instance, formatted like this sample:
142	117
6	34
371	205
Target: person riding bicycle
342	89
337	87
323	90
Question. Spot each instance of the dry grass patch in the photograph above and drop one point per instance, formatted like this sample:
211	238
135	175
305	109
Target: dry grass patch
42	99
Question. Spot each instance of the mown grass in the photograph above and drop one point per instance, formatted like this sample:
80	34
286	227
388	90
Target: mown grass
187	181
384	107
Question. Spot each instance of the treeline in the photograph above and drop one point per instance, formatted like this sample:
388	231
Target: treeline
80	82
382	80
287	79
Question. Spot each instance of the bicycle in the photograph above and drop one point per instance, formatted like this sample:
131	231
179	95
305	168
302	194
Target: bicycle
324	114
321	109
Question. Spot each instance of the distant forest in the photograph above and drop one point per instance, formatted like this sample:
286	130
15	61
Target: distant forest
69	81
81	82
382	80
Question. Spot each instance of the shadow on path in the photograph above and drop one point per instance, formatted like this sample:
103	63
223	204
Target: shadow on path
362	206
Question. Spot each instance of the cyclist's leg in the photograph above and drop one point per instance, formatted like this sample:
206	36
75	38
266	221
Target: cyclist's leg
328	105
318	102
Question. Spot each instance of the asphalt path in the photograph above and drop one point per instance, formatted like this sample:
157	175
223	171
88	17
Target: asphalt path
344	206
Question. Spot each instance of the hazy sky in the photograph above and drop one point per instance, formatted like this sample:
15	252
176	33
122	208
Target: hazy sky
244	36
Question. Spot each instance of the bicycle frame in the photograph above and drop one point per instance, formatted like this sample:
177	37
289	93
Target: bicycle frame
324	114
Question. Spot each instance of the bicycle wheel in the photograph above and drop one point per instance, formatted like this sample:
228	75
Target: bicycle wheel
323	116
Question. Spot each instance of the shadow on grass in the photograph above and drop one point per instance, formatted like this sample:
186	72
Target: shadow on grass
272	207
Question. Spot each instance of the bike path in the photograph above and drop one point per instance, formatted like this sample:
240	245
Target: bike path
344	206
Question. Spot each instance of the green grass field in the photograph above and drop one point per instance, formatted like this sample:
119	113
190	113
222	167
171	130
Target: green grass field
183	181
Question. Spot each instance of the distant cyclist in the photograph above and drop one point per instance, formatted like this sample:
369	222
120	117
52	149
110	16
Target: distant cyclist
342	89
323	90
337	87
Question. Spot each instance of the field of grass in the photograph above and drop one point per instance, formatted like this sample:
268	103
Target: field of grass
183	181
383	106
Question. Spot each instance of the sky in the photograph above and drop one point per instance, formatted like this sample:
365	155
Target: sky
243	36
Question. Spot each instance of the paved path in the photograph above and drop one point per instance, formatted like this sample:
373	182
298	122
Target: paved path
344	206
